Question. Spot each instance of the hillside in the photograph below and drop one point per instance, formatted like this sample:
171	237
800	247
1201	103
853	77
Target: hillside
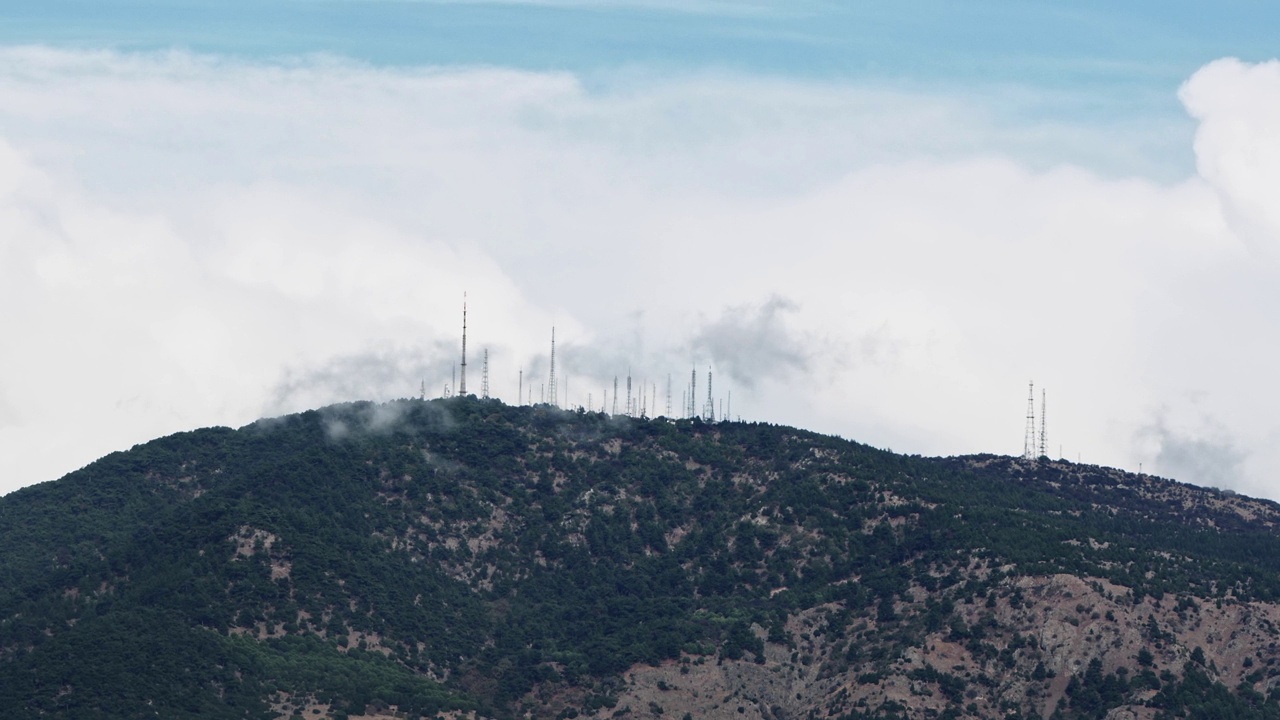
468	558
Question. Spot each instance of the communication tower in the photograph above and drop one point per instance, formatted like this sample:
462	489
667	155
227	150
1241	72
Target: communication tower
484	376
1029	437
1044	436
709	410
693	393
551	382
462	389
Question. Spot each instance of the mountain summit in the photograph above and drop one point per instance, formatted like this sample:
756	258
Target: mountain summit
468	558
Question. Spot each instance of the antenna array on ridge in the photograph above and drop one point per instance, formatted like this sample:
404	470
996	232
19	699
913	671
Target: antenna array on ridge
640	401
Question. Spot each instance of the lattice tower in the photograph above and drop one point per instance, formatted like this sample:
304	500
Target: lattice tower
1044	436
551	382
693	394
709	410
462	388
1029	437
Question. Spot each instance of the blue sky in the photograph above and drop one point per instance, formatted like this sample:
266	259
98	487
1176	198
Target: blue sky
1144	45
875	219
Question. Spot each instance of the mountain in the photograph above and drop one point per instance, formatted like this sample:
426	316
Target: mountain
465	558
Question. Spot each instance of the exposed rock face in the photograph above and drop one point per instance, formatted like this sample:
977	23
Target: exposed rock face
1037	635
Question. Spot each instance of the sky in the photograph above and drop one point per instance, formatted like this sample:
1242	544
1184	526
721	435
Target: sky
880	220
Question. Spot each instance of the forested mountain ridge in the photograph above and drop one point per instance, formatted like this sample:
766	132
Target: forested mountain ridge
464	556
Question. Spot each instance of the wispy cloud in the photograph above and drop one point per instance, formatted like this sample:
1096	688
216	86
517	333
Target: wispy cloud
1207	455
752	343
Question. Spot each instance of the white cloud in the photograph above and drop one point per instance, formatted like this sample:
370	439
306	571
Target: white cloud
1237	143
187	241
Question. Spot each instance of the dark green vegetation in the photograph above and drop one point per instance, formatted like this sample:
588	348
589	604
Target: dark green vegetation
462	554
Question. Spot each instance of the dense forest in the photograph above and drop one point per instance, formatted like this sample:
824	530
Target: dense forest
449	557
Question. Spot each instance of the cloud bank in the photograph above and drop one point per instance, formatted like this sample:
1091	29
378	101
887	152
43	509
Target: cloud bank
190	240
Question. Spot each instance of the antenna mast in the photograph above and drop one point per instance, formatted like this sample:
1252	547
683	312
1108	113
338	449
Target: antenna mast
668	414
615	395
462	389
630	408
1029	437
520	392
484	377
1044	437
551	382
709	412
693	393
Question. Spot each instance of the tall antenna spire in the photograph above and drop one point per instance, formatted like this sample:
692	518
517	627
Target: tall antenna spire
1044	437
693	393
422	390
1029	438
551	382
615	395
484	376
462	389
630	408
668	413
709	412
520	392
